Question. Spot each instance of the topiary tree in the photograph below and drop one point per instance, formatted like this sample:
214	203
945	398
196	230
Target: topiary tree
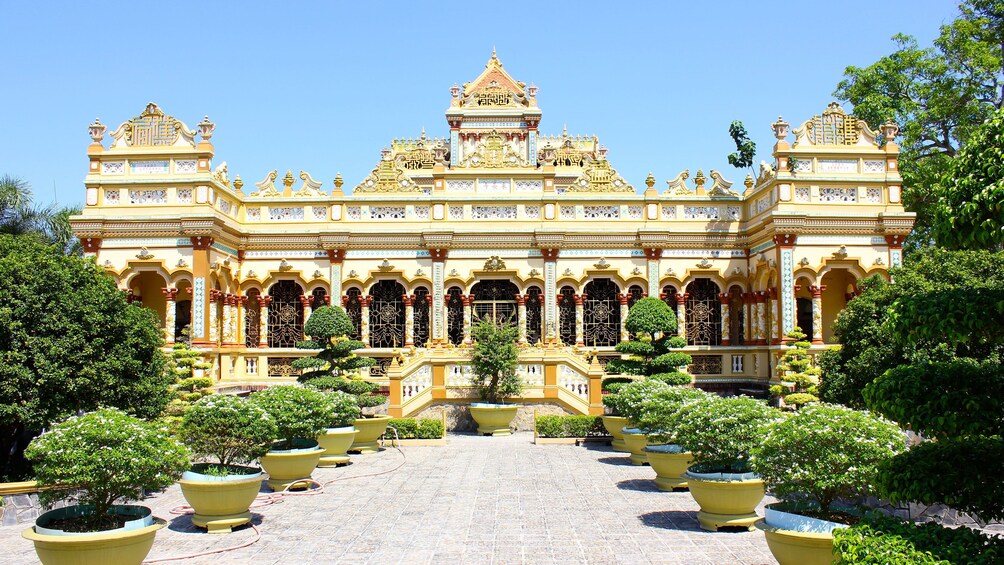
799	379
230	429
969	213
335	367
182	362
723	432
69	343
652	326
825	452
102	457
494	359
300	414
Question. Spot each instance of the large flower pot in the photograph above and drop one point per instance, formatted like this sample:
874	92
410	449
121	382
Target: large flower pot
494	419
127	545
368	431
669	462
798	540
726	499
614	425
290	466
220	502
636	441
336	442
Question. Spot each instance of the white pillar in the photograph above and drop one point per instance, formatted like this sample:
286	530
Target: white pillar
468	319
521	316
169	314
622	299
364	319
263	304
681	315
580	311
409	320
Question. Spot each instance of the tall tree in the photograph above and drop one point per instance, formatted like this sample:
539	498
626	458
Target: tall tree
19	216
939	95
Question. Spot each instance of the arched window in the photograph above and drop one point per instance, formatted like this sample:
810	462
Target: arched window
494	300
317	297
354	309
387	314
421	309
635	293
737	318
252	319
669	296
704	313
533	317
601	326
285	314
182	308
566	315
455	315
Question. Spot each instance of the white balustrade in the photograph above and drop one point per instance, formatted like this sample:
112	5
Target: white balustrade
531	375
416	382
574	381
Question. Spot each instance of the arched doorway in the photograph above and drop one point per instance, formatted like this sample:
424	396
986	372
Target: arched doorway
455	315
601	321
387	314
285	314
704	313
840	287
182	308
566	315
494	300
148	291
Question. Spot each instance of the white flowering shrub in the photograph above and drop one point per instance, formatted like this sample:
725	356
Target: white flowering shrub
657	413
344	408
632	397
104	456
299	413
230	429
722	432
824	452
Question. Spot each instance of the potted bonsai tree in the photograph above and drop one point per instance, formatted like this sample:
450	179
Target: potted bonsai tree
494	359
341	431
799	379
336	367
652	325
300	414
226	432
811	460
721	433
98	459
630	400
657	415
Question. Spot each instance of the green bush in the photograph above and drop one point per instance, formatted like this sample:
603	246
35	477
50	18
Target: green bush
723	432
230	429
193	384
605	383
410	428
825	452
881	540
102	457
299	413
657	414
575	426
614	389
494	360
344	409
632	397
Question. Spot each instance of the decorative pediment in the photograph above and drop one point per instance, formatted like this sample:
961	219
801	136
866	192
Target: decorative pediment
310	186
720	187
388	176
494	151
266	188
600	177
678	186
494	88
153	128
220	174
835	127
494	263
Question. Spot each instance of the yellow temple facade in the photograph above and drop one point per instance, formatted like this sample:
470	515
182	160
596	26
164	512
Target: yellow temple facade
494	219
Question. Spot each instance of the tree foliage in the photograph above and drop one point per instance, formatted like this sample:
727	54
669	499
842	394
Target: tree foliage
969	213
335	367
494	359
69	343
799	379
19	216
937	94
300	414
745	152
652	326
723	432
230	429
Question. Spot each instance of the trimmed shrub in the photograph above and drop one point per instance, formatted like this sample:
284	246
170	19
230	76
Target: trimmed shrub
410	428
299	413
881	540
605	383
574	426
344	408
723	432
230	429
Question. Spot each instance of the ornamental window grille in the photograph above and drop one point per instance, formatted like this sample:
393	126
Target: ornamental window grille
704	313
737	321
387	314
669	297
494	300
285	315
533	317
705	365
252	319
566	315
281	366
421	315
601	323
354	309
455	315
635	293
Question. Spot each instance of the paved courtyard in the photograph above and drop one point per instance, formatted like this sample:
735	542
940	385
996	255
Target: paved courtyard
476	500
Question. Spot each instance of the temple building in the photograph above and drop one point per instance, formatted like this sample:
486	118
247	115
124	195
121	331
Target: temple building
494	219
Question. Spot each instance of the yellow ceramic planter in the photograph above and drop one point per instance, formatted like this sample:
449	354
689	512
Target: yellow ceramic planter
669	462
795	539
288	467
636	442
121	546
336	442
494	419
368	431
724	501
220	503
614	425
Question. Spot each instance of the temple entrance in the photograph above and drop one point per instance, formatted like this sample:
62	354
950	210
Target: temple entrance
494	300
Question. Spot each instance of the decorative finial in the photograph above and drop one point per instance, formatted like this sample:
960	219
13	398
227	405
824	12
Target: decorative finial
385	153
494	56
97	130
238	183
288	180
423	134
531	90
650	180
338	181
206	128
455	90
749	181
780	128
700	178
889	130
601	152
564	130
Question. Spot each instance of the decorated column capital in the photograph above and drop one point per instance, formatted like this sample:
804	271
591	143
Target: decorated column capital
91	244
408	299
336	255
895	241
785	239
580	299
653	253
623	298
521	299
171	294
817	291
439	254
202	242
550	253
682	298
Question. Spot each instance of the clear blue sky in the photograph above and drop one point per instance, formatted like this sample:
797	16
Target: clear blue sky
323	87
